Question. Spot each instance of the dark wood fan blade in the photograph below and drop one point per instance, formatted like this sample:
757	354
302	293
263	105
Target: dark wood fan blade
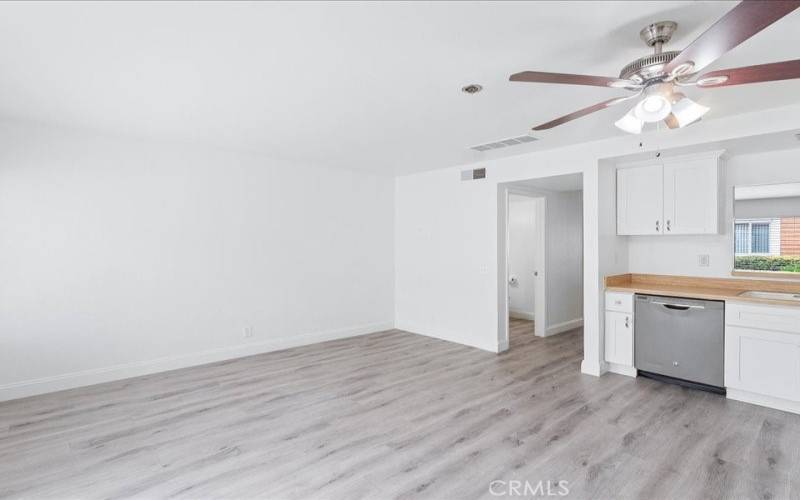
742	22
583	112
570	79
771	72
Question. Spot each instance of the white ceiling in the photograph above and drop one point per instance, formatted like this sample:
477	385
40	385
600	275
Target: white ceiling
373	86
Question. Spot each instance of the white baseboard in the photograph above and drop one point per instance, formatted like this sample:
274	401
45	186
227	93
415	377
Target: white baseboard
94	376
626	370
519	314
589	367
502	346
762	400
563	327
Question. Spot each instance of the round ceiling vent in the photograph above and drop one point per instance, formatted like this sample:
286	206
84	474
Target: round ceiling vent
471	89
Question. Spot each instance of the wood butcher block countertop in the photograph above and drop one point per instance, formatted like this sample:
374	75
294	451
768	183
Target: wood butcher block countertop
689	287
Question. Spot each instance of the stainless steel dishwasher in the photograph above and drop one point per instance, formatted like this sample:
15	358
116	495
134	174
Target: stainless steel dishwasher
680	340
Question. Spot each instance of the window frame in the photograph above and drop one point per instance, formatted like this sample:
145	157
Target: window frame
753	239
750	223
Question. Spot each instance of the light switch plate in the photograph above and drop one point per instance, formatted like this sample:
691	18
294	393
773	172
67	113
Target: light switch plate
703	260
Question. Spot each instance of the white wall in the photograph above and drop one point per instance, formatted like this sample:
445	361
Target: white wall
120	257
613	249
446	255
521	255
679	254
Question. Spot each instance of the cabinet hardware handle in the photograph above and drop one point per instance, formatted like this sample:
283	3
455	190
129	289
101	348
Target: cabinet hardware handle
682	307
668	228
658	224
627	322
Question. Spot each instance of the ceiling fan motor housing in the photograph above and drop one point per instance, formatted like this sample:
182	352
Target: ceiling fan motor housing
651	67
648	67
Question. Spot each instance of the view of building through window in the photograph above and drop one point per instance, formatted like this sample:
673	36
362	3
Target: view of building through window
767	244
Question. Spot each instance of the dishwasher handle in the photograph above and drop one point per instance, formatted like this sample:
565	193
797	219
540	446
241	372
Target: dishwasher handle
678	307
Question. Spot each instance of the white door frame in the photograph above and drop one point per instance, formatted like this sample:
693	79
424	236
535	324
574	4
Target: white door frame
540	294
540	288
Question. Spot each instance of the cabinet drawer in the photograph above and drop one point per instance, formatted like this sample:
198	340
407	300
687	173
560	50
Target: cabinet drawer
777	318
619	302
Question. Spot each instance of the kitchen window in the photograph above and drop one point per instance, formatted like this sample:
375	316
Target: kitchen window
766	228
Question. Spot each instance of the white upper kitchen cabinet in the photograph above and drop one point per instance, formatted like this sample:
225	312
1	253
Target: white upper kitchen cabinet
640	199
678	195
691	195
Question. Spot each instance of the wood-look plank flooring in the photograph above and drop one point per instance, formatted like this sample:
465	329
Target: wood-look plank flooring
395	415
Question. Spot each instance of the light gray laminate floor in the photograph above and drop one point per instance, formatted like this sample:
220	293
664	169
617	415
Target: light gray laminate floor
395	415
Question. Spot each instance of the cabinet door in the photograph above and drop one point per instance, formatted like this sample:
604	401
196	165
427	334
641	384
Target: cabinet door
619	338
691	196
763	362
640	200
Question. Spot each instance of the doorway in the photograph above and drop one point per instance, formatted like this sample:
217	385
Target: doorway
540	259
525	264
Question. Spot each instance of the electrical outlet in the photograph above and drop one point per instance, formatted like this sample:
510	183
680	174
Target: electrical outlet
247	332
703	260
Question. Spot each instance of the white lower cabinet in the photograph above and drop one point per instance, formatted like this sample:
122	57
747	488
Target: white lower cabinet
618	347
619	338
762	355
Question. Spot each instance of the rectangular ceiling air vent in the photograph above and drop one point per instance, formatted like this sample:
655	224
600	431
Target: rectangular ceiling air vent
476	173
504	143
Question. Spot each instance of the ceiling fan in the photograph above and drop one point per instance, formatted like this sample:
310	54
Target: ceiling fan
657	79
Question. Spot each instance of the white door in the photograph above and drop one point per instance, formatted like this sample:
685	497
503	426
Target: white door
690	196
538	274
762	362
640	200
619	338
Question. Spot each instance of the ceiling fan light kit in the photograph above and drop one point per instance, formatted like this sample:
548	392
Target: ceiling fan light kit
686	111
656	103
656	77
630	123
